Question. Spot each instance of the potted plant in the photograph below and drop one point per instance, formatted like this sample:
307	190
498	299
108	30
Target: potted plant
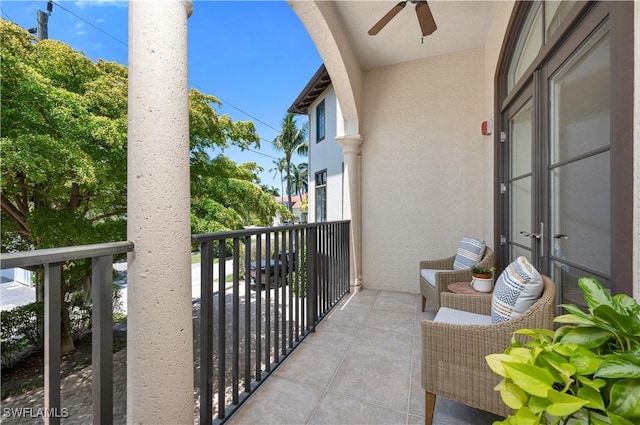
586	372
483	272
482	280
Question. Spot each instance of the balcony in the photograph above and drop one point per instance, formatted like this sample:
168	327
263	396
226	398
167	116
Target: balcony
356	359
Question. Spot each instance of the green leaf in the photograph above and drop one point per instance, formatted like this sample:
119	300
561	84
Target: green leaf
587	337
596	384
626	304
594	293
525	416
563	404
511	394
619	420
626	324
625	398
565	350
495	363
619	366
533	379
538	404
585	361
593	396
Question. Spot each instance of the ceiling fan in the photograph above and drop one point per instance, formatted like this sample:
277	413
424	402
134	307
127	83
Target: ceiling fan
425	18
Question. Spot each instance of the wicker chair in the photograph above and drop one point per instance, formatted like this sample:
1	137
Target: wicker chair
444	278
453	355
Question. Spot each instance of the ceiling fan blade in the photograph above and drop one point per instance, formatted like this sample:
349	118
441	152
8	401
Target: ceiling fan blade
386	18
425	18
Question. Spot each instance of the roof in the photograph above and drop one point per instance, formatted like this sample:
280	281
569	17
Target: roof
314	88
297	200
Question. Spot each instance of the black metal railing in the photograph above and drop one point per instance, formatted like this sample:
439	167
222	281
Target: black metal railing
283	281
53	261
247	324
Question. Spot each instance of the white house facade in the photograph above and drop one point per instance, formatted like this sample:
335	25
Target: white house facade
326	167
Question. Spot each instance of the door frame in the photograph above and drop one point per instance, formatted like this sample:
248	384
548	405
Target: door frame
621	23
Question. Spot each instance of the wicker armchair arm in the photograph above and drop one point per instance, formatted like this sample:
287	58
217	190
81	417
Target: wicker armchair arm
441	264
480	304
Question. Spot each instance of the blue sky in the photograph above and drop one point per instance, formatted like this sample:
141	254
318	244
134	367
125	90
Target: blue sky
255	56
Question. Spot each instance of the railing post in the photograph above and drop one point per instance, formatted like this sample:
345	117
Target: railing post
312	277
52	343
206	332
102	338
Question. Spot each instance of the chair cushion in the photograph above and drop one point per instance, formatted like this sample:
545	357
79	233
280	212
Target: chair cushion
450	315
469	253
430	275
518	287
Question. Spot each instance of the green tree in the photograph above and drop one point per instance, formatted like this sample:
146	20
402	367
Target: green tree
300	178
64	156
291	140
277	170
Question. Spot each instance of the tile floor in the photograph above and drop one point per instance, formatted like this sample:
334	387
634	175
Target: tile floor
361	366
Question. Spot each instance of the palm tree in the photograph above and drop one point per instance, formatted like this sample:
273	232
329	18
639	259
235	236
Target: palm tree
279	168
300	178
291	140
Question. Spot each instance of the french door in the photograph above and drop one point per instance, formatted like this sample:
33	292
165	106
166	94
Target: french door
556	162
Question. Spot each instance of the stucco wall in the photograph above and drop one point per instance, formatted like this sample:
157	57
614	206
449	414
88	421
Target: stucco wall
492	48
326	154
424	165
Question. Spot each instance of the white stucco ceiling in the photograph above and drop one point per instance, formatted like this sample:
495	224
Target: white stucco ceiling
461	25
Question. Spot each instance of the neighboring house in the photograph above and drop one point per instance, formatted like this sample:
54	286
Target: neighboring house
295	209
326	171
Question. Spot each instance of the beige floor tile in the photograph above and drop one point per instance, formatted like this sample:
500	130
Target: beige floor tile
416	396
387	345
361	299
334	409
312	365
415	420
279	401
391	321
396	304
349	315
333	335
373	379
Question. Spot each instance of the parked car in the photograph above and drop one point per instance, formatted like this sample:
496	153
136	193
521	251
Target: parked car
277	271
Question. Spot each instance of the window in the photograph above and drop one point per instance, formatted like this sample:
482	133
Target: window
320	121
321	196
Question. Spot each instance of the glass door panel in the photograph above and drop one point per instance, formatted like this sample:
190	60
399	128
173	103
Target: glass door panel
519	183
579	172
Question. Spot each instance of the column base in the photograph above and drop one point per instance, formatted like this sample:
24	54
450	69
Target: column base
356	286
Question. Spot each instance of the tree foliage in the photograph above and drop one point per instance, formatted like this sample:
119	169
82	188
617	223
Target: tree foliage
63	142
291	140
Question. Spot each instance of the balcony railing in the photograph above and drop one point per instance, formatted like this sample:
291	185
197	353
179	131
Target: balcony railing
101	319
293	276
247	326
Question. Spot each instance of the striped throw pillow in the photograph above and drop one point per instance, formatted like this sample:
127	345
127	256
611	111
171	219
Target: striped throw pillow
469	253
518	287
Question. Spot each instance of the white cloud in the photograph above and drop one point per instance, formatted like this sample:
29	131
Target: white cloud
80	25
100	20
81	32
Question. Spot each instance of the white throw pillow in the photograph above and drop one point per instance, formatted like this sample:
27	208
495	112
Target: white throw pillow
518	287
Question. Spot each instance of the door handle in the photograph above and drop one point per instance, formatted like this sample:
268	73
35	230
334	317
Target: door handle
561	236
531	235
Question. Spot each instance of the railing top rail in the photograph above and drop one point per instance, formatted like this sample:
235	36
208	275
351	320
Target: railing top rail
60	255
207	237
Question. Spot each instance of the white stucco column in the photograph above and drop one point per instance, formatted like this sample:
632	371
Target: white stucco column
159	324
351	150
